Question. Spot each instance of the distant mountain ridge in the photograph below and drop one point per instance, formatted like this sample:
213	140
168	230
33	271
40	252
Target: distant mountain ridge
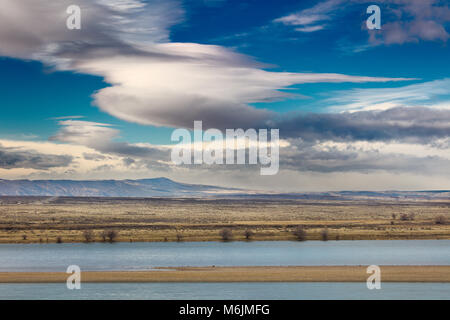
157	187
164	187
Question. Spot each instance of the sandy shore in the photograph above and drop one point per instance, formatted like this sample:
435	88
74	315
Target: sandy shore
243	274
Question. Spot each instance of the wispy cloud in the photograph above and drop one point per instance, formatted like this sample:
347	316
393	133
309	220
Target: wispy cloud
309	29
66	117
312	19
432	93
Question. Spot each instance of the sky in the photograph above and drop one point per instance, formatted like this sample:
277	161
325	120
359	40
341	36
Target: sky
357	109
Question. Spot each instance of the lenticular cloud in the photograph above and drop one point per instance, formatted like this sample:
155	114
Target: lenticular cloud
152	80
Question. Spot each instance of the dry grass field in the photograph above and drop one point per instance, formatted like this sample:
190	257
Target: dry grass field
35	220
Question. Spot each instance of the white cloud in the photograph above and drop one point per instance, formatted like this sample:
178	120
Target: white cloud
414	20
103	138
434	94
312	19
78	166
66	117
328	165
302	19
153	82
309	29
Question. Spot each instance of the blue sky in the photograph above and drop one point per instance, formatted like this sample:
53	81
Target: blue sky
245	25
264	47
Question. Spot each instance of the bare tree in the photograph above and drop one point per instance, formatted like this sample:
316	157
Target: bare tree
248	234
324	234
226	234
88	236
300	233
179	237
110	235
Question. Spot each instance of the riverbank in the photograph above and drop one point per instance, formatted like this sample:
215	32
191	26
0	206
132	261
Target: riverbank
74	220
242	274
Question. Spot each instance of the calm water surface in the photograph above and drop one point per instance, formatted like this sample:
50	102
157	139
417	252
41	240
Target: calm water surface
145	255
229	291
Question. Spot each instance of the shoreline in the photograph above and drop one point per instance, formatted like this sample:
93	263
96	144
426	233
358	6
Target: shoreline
241	239
241	274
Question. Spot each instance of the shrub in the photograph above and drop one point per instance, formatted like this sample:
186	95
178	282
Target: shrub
407	217
300	233
248	234
226	234
24	237
440	220
179	237
324	234
88	236
59	240
110	235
